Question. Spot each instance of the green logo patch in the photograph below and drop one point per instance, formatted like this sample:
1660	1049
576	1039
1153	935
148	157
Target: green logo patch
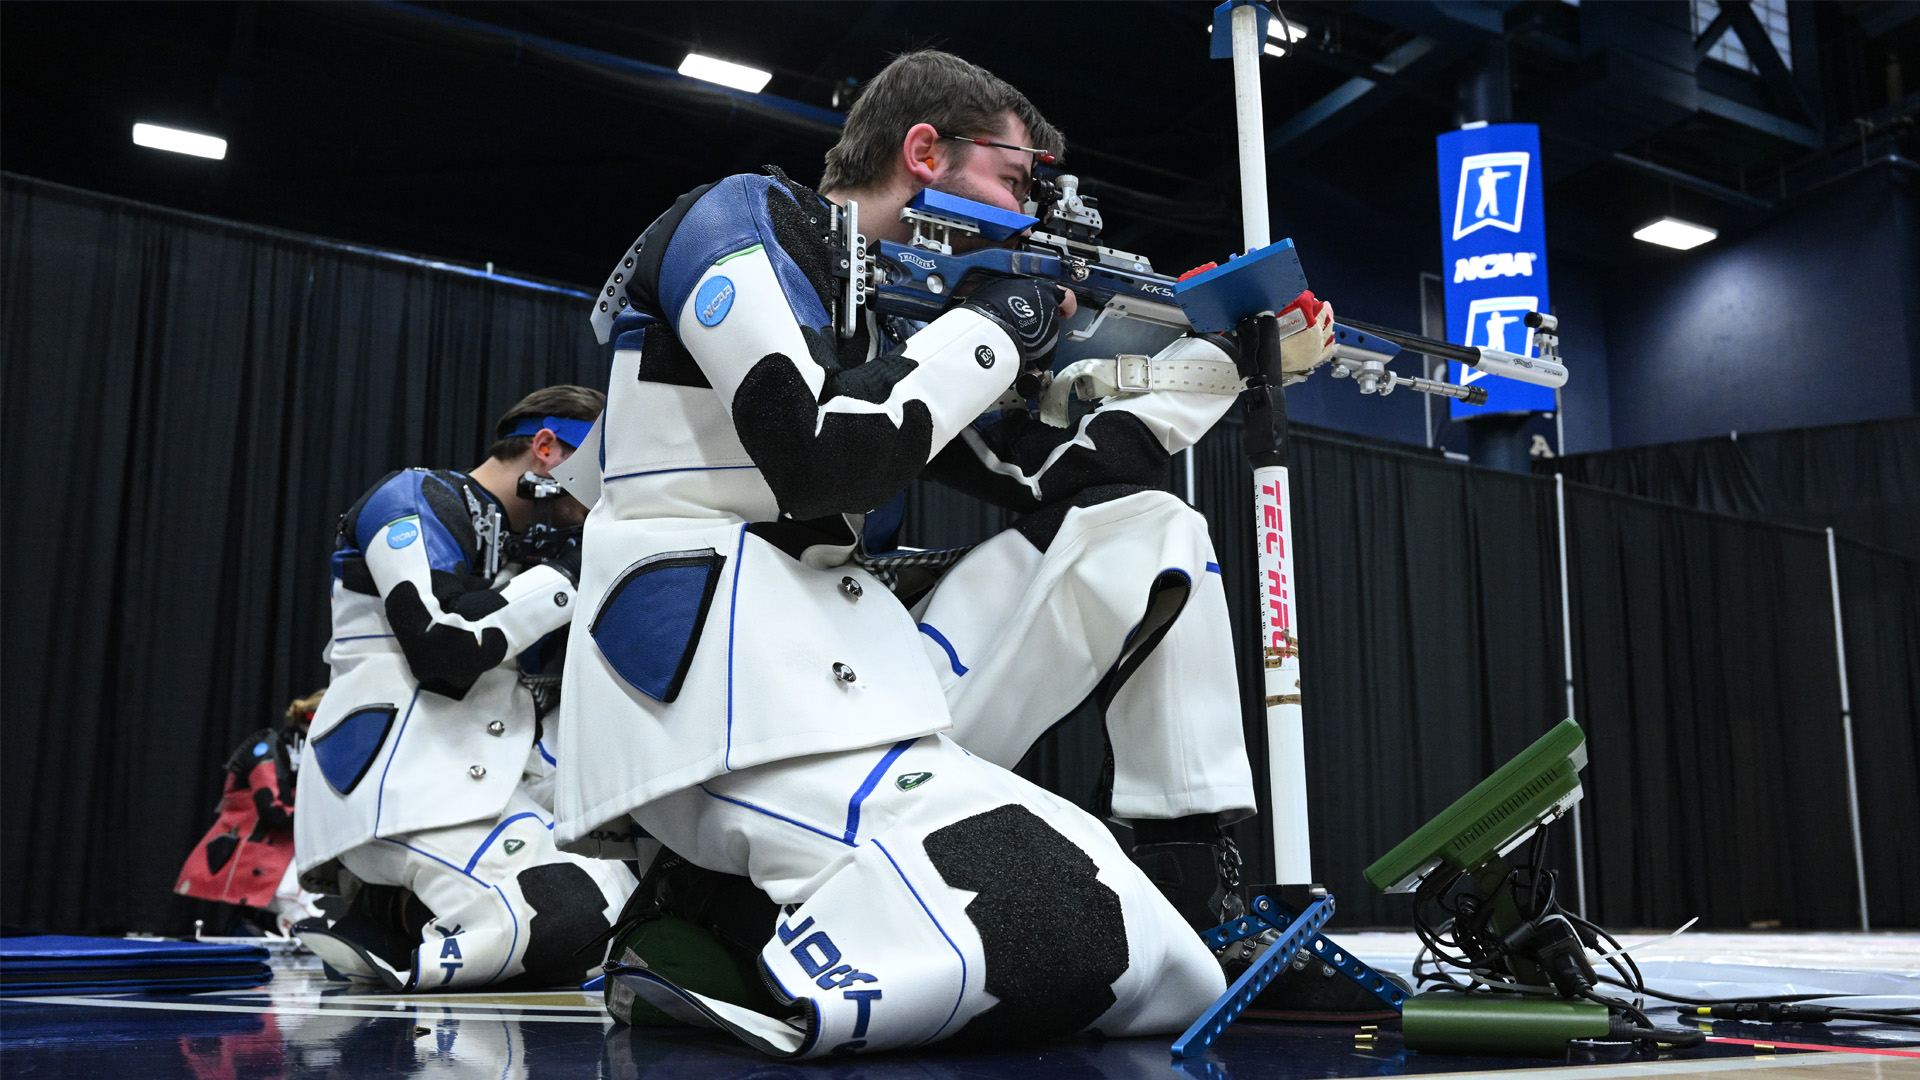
909	781
513	846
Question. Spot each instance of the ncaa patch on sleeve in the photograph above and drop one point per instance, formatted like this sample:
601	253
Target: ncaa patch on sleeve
714	300
403	532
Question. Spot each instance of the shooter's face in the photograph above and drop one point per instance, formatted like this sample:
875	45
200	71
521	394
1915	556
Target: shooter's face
568	512
988	174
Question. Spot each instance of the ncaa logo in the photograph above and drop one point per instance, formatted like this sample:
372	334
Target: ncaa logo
1498	322
713	301
1021	308
403	532
1493	192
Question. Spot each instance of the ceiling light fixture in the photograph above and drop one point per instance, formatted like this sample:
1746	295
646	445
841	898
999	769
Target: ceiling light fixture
738	76
1674	233
1292	32
180	142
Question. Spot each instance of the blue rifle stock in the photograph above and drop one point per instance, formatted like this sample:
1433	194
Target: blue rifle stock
921	278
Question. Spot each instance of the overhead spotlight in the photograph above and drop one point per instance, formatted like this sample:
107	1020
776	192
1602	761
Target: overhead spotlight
1674	233
179	142
1292	31
1274	50
726	73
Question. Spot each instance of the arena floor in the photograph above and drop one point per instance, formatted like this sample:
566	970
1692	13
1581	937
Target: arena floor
299	1025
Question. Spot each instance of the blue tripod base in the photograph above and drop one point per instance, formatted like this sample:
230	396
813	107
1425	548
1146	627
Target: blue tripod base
1297	933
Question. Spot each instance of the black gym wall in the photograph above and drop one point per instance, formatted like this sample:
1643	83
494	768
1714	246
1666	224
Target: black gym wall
218	394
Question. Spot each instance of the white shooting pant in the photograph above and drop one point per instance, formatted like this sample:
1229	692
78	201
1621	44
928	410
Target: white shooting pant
1021	636
506	902
933	895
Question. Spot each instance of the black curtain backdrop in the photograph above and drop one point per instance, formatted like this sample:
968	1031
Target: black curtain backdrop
1862	479
1880	606
1708	683
220	394
201	401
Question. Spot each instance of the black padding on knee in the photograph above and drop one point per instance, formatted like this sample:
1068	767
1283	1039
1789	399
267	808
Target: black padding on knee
568	912
1052	932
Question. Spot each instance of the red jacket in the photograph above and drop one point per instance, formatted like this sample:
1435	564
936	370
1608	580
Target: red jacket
243	858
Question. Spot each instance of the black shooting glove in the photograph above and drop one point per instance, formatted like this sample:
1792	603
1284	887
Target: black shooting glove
546	545
1027	308
567	560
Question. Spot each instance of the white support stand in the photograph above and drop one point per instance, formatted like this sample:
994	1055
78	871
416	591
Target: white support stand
1273	511
1247	46
1846	733
1566	642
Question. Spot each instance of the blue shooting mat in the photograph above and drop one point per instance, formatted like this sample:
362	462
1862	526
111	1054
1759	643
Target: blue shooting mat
60	964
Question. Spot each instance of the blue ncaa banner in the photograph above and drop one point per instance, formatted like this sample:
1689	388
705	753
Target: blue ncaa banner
1493	239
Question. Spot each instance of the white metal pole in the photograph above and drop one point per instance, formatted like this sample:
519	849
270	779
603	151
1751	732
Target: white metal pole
1566	643
1187	456
1280	651
1273	512
1846	733
1252	129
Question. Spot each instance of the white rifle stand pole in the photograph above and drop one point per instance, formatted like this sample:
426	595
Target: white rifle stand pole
1266	431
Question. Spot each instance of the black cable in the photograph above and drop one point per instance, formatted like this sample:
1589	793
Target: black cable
1678	1038
1897	1018
1676	998
1617	1005
1630	976
1465	942
1787	1009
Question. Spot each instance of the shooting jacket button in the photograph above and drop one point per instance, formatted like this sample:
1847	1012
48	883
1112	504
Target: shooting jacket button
497	728
851	588
843	672
478	772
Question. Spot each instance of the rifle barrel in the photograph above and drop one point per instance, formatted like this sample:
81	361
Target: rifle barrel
1444	350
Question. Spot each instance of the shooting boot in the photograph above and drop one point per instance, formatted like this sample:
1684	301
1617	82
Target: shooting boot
1194	865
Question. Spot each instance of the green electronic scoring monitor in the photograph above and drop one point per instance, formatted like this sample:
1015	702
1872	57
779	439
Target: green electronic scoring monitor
1501	811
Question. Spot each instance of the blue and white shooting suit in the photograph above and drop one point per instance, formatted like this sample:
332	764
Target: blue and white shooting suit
743	689
430	757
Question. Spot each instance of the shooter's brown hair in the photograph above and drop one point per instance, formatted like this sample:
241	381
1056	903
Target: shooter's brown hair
566	402
927	86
